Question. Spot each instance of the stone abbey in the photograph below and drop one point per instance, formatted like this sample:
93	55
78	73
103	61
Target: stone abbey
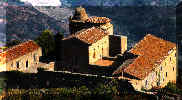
92	43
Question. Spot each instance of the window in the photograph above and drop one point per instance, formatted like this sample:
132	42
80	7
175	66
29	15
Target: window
102	51
146	83
161	68
166	74
34	56
17	64
173	68
27	64
94	54
158	83
175	54
12	64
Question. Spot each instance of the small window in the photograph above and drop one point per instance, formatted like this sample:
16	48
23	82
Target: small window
17	64
12	64
161	68
102	51
175	54
146	83
173	68
94	54
158	83
34	56
27	64
166	74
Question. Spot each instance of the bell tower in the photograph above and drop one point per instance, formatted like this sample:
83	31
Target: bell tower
77	22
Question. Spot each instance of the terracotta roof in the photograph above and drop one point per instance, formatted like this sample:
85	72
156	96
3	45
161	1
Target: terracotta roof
98	20
18	51
151	50
89	36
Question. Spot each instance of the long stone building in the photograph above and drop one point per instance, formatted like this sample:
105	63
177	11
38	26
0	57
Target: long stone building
20	57
153	63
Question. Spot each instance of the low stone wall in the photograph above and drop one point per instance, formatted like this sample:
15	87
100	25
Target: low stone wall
49	66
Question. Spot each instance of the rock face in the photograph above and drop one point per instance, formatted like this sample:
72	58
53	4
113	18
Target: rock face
80	14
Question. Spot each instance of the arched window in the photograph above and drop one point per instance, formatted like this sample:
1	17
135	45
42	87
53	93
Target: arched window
17	64
94	55
27	64
12	64
34	56
146	82
166	74
102	51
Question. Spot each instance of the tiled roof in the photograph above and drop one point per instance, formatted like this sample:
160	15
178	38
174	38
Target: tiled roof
151	50
89	36
98	20
18	51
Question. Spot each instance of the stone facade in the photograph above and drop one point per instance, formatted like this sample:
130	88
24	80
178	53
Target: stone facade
161	75
24	62
80	21
155	64
94	44
118	44
20	57
75	53
99	50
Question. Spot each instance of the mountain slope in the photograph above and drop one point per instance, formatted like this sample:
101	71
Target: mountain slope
25	22
73	3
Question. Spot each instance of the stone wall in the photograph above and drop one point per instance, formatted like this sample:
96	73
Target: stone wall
75	53
123	44
117	44
76	25
98	50
108	27
29	60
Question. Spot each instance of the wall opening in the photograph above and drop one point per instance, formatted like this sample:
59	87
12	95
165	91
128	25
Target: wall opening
27	64
17	64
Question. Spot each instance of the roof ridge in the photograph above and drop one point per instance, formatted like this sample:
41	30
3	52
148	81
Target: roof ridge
18	45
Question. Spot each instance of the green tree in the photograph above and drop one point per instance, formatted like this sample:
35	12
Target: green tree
46	41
